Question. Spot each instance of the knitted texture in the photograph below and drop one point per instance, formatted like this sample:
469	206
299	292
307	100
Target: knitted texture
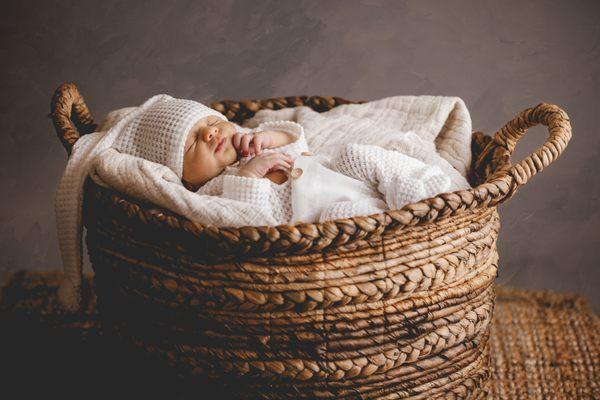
275	198
159	133
400	178
249	190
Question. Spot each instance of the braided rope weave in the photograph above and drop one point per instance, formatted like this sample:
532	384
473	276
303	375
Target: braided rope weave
386	306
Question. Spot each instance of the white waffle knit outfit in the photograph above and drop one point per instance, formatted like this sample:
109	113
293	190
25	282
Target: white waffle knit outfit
357	180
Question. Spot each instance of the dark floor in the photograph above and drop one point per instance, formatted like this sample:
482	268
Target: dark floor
44	363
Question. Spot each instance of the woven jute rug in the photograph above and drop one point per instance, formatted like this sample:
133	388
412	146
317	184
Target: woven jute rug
543	345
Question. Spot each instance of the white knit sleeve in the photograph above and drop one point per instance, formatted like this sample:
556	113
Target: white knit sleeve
295	148
255	191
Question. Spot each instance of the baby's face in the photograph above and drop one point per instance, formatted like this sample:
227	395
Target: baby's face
208	150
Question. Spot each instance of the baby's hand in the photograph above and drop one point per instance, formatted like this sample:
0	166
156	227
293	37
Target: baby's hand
251	143
264	163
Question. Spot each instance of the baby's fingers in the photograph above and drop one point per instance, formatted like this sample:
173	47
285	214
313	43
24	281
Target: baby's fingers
257	143
245	143
237	138
282	163
287	158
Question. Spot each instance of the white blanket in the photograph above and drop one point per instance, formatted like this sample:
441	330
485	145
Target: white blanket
434	129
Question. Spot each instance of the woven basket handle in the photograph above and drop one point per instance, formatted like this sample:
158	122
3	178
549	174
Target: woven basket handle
514	176
68	108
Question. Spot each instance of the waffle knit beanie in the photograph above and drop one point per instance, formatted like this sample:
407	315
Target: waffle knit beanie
158	134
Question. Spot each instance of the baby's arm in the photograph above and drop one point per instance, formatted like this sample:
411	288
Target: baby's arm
253	143
279	138
289	140
229	185
248	190
252	182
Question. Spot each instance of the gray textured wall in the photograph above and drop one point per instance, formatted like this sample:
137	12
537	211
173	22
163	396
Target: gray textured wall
500	57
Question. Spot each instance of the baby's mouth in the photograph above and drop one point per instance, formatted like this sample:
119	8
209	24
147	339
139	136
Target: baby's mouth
220	145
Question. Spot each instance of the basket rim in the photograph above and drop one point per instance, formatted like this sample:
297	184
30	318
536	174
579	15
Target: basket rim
340	231
498	184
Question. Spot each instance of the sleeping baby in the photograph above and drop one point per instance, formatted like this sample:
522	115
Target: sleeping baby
271	166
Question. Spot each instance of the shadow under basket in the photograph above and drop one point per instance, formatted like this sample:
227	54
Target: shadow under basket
385	306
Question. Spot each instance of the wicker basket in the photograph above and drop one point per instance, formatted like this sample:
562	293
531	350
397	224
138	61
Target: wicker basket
386	306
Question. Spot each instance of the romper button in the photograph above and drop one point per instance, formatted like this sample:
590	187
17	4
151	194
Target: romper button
306	153
296	172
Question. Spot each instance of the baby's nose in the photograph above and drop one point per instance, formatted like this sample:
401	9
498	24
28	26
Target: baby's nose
209	133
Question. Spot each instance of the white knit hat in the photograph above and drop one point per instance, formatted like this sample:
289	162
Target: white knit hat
155	131
158	133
